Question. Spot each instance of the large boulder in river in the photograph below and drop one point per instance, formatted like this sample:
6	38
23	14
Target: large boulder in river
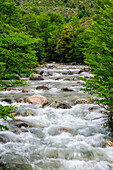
35	99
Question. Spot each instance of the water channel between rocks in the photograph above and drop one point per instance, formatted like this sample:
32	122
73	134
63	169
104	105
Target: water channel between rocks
50	138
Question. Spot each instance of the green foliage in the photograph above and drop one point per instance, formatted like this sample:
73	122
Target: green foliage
99	56
4	114
66	45
17	52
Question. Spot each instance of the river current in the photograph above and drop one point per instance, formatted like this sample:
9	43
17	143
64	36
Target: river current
55	138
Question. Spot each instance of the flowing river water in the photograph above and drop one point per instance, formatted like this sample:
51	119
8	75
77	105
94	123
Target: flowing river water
50	138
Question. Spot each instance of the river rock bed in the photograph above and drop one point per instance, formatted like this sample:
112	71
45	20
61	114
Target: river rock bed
66	133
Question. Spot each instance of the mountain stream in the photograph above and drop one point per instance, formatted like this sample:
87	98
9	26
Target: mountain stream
50	137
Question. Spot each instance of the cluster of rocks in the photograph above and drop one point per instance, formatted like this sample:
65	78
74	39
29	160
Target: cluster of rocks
45	73
61	105
15	100
41	75
39	78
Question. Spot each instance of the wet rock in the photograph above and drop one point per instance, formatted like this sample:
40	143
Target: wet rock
58	78
80	71
42	72
37	78
35	99
19	123
84	69
80	82
45	73
65	106
19	100
67	89
25	91
54	104
7	100
15	166
61	105
68	73
108	143
11	88
18	131
29	113
42	88
51	66
82	101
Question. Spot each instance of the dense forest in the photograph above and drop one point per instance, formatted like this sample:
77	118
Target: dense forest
34	32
